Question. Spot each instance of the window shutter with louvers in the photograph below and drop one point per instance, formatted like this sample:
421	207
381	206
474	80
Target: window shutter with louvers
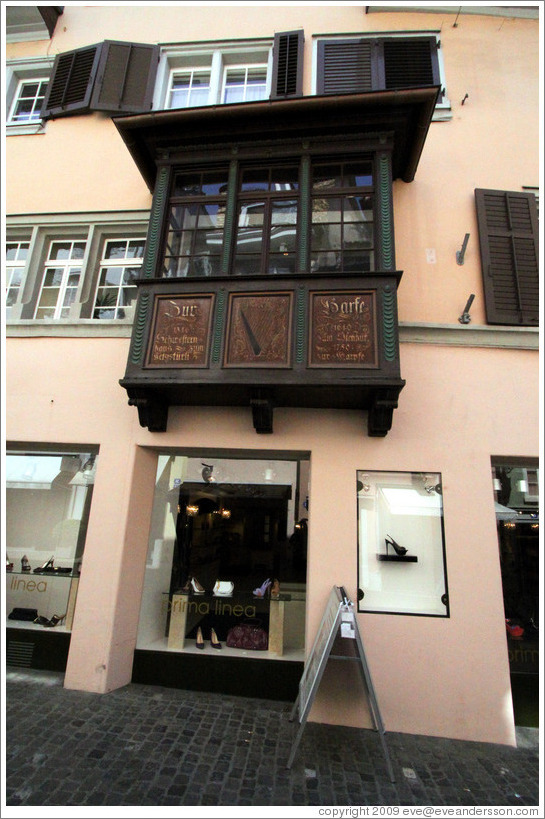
69	90
352	66
111	76
287	76
125	77
508	233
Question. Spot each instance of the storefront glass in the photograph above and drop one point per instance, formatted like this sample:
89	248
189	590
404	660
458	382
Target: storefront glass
227	548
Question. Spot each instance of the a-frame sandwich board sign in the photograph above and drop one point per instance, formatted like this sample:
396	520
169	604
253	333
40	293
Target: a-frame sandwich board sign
338	620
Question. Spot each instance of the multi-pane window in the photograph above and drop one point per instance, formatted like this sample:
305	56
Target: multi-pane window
28	101
245	83
196	222
16	257
189	89
119	269
342	235
266	235
61	279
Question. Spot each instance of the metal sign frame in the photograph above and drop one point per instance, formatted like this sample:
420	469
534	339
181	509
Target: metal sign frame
338	617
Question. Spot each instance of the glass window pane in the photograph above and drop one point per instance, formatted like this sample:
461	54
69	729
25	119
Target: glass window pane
179	98
73	277
29	89
136	249
358	261
249	240
78	251
358	174
49	297
45	312
11	297
187	184
208	241
53	276
325	261
326	210
358	209
327	176
110	276
257	74
249	265
326	237
282	263
11	252
254	179
130	274
127	296
23	109
208	214
183	217
284	211
60	250
214	183
23	252
233	94
285	178
15	275
358	236
116	250
251	214
234	76
106	297
282	239
103	313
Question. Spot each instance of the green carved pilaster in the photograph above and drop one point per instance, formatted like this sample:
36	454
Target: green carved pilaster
230	216
219	325
300	325
149	264
388	323
385	209
304	200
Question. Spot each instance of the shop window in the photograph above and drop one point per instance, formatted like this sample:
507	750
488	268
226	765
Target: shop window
508	238
227	544
48	498
401	551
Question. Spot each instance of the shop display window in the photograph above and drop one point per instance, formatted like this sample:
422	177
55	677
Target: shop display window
227	555
48	498
401	552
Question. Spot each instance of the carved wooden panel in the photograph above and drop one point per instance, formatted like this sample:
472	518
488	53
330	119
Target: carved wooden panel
259	330
343	329
180	332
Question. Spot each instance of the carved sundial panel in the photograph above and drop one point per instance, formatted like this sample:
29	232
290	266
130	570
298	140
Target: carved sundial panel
259	330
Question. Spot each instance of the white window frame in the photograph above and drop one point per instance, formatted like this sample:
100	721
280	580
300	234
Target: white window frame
442	109
68	267
215	57
122	263
93	228
245	67
35	114
19	71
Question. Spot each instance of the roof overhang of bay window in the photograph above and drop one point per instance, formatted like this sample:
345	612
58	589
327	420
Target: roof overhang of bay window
403	115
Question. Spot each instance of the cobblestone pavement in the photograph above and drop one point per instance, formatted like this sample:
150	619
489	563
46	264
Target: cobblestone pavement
151	746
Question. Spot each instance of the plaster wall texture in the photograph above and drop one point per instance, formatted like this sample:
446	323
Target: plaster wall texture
423	668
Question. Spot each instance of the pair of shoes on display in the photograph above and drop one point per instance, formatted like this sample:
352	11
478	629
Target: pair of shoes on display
55	620
268	586
515	631
214	642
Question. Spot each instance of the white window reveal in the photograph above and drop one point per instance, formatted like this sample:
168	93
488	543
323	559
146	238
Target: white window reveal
61	280
119	269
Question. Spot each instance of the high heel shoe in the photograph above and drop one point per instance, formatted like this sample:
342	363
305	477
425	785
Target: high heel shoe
399	550
25	565
275	590
214	642
196	586
199	642
47	565
55	620
262	590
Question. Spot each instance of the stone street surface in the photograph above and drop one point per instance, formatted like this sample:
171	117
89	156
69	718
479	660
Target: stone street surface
151	746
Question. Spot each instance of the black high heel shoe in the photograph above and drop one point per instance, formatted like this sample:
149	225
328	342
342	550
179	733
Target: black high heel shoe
199	642
399	550
48	565
214	642
55	620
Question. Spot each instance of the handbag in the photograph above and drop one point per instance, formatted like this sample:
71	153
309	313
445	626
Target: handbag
249	635
223	588
23	614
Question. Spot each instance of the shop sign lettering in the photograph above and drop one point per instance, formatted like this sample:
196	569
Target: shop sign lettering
180	332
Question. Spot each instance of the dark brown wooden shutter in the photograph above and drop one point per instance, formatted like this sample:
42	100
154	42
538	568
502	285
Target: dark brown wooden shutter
69	90
508	232
376	64
125	77
287	78
410	63
345	66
